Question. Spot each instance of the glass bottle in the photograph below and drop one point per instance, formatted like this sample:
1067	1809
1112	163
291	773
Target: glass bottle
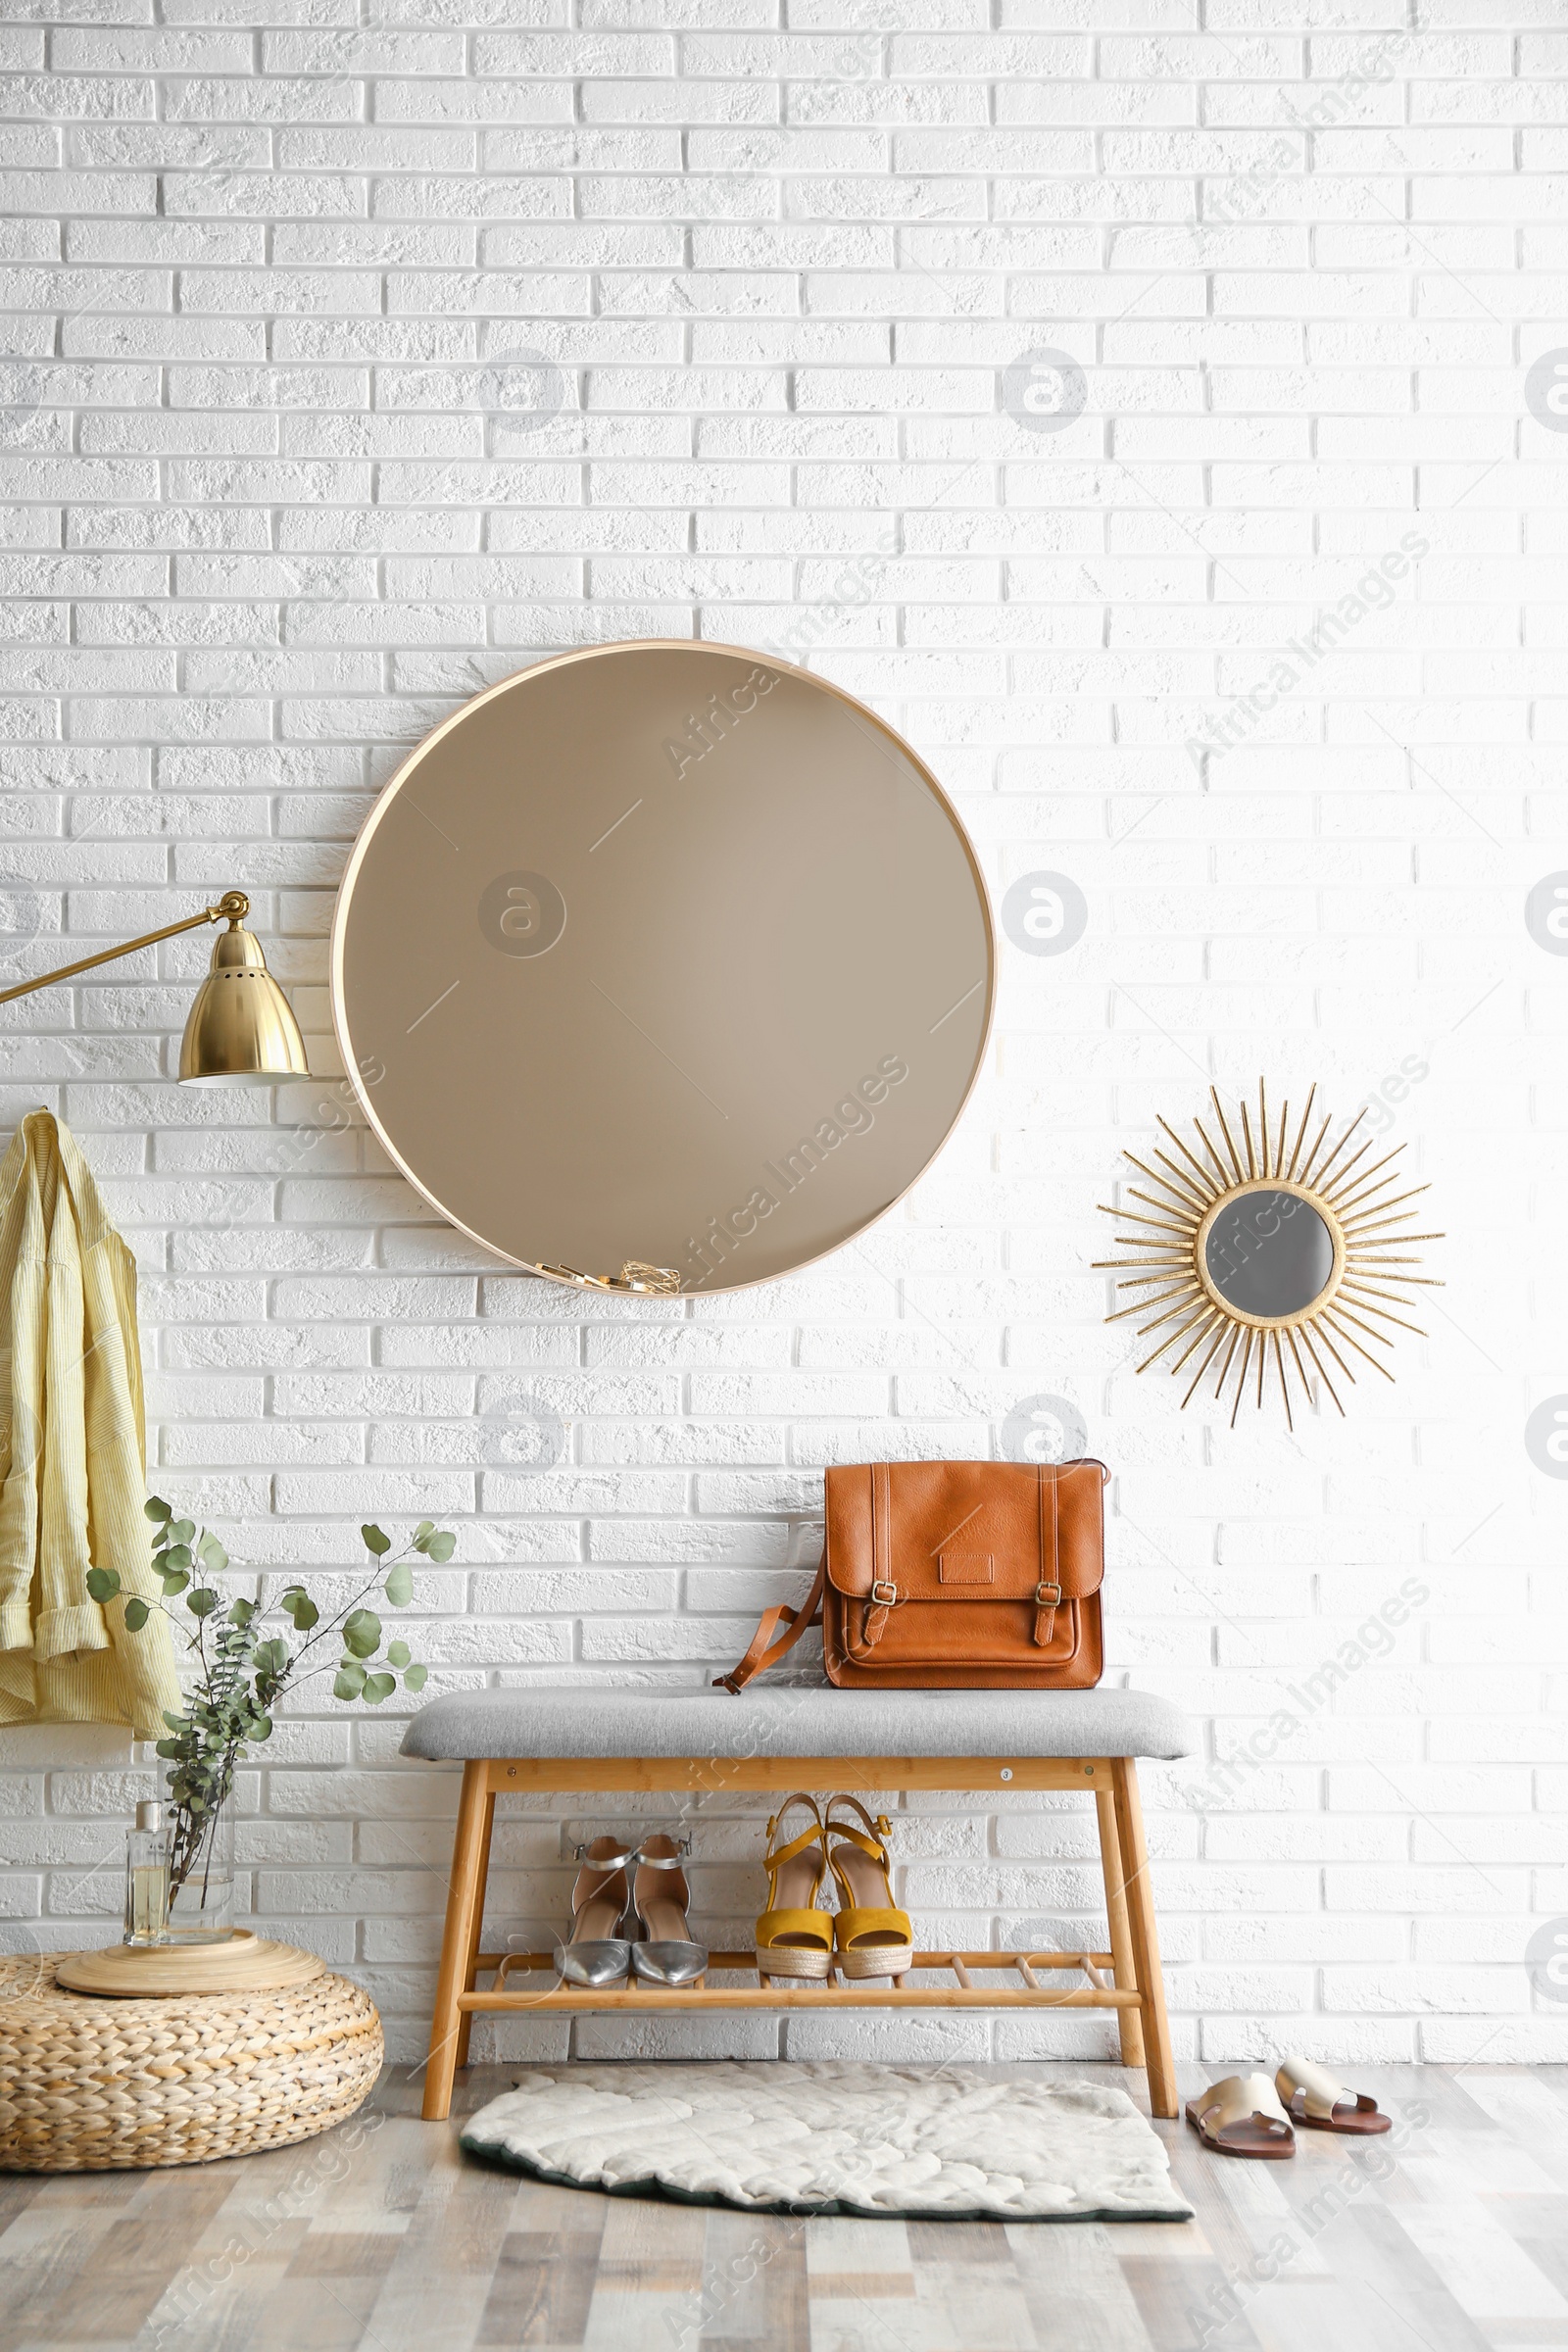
147	1878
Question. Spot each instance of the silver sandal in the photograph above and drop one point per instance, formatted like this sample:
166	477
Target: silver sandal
598	1951
664	1952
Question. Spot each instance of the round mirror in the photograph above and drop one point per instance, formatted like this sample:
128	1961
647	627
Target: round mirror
664	967
1269	1253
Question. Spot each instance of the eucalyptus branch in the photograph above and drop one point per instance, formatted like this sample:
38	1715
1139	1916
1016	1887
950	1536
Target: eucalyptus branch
332	1624
245	1673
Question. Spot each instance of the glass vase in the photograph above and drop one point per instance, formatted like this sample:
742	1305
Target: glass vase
201	1891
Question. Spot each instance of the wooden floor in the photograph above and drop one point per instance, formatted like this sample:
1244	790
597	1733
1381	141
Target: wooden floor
1449	2235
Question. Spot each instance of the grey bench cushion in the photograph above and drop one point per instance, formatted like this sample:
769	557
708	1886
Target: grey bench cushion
794	1721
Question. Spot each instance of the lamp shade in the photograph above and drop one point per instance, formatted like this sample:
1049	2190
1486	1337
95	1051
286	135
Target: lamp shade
241	1030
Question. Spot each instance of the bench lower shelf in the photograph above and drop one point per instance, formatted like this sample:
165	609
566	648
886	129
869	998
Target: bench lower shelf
793	1994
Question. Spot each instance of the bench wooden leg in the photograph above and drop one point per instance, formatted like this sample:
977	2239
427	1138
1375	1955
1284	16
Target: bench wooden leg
1145	1937
1129	2025
461	1941
470	1973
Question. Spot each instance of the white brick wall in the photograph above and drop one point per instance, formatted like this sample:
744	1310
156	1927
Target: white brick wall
259	533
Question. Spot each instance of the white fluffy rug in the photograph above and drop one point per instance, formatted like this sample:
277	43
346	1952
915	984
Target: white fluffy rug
949	2143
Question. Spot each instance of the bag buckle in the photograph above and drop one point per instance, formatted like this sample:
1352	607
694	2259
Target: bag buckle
1048	1595
884	1591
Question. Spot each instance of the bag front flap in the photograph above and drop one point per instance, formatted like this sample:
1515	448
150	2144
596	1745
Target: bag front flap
966	1531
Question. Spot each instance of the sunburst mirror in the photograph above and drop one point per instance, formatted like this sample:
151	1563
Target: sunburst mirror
1270	1260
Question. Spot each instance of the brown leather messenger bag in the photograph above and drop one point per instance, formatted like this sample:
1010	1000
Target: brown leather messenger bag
952	1576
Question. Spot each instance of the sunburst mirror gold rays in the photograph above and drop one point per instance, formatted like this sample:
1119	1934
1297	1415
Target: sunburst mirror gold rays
1269	1260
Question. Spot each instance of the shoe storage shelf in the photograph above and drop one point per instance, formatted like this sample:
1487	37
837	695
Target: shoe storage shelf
1126	1979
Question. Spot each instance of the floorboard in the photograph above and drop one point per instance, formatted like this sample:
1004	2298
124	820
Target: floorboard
1450	2234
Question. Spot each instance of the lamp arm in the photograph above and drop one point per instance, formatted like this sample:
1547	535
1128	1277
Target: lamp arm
233	906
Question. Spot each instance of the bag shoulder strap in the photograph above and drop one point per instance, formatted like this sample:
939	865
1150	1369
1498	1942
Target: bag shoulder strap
767	1643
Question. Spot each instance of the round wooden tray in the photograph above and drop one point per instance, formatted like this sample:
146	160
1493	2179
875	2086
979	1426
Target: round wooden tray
246	1963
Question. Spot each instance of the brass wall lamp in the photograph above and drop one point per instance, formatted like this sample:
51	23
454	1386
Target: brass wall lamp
241	1030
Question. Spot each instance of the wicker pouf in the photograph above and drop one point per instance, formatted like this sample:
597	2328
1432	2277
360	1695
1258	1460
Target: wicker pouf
90	2085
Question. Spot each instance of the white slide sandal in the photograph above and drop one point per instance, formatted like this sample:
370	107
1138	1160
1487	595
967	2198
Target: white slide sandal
1242	2117
1313	2097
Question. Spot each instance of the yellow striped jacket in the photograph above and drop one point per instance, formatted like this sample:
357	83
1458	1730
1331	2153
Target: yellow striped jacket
73	1452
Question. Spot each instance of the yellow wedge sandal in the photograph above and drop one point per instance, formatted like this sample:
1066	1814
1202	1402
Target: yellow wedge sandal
794	1937
871	1936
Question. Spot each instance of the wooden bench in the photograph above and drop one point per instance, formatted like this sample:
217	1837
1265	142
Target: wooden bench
559	1741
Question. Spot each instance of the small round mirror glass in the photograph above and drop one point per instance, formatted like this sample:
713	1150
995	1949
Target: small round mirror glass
1269	1253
